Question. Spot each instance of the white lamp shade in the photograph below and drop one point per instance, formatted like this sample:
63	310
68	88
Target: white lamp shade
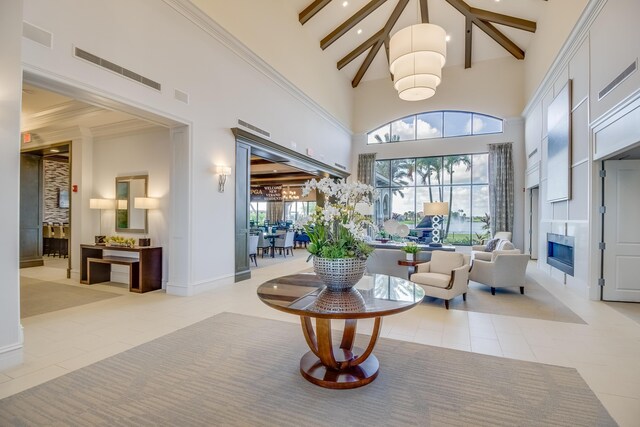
436	208
416	88
146	203
101	204
427	38
424	66
222	170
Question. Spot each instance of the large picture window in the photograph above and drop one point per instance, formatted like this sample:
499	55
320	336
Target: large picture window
404	185
435	124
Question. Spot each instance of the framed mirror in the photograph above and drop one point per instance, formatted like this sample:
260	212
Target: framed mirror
128	218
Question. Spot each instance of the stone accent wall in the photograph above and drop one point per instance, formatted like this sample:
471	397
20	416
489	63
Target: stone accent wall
56	177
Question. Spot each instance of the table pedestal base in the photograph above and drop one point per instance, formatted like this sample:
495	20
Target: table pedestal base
314	371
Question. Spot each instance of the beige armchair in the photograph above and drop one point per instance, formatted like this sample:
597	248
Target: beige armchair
446	276
503	245
504	270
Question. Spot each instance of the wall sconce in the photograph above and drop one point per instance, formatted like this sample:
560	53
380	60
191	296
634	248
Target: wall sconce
101	204
223	172
146	203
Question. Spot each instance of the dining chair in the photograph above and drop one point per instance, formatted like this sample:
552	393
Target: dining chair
285	243
253	248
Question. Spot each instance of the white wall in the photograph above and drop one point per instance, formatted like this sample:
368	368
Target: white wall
513	132
266	27
553	26
10	100
490	87
590	62
140	153
225	83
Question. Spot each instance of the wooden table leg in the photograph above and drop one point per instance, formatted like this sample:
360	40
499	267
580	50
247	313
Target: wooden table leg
338	367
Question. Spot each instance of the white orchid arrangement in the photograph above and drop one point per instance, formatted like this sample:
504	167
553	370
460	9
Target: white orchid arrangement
340	227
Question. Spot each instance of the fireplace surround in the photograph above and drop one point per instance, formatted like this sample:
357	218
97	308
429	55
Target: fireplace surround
560	252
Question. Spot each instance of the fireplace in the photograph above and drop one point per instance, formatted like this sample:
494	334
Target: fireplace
560	252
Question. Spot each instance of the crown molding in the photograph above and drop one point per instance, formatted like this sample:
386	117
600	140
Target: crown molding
126	127
579	33
58	113
208	25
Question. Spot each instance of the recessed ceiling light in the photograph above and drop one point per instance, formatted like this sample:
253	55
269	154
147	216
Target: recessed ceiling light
448	38
359	31
275	170
345	3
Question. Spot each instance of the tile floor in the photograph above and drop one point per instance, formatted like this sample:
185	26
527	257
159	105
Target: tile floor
606	351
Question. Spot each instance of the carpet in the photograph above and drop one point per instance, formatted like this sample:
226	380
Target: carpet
38	297
238	370
536	303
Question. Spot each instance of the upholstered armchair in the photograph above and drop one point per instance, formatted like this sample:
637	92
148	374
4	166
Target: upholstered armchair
504	270
503	244
446	276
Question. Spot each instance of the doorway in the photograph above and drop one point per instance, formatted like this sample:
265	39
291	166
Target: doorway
621	256
45	207
292	169
532	234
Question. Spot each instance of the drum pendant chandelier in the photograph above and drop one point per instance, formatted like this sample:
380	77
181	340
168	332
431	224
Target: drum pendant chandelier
416	55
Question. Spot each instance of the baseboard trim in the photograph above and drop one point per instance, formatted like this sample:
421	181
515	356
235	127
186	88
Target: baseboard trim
184	290
11	355
38	262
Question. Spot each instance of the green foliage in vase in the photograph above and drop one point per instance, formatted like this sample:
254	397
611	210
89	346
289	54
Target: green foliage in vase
411	248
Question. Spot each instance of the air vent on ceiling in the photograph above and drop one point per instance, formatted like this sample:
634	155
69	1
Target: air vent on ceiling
83	54
533	153
254	128
36	34
181	96
621	77
338	165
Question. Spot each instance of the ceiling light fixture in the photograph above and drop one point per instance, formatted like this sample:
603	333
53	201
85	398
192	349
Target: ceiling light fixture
416	55
448	38
359	31
345	3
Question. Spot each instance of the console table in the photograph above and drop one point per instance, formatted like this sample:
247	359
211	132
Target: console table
145	271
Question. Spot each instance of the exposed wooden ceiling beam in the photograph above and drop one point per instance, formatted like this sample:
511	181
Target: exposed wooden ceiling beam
424	11
500	38
310	11
386	51
468	42
509	21
487	28
376	47
359	50
350	23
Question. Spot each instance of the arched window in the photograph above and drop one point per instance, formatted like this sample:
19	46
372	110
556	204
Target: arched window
435	124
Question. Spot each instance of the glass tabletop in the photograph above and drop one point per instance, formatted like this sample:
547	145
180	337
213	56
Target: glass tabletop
373	296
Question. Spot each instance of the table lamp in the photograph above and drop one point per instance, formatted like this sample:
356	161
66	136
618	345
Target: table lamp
437	210
101	204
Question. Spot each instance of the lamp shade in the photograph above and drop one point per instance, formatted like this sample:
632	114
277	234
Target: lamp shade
416	88
425	38
101	204
421	67
222	170
145	203
122	204
436	208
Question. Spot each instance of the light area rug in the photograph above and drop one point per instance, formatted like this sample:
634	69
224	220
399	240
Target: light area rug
238	370
39	297
536	303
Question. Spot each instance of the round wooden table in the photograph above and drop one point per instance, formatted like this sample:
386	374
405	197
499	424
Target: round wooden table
375	296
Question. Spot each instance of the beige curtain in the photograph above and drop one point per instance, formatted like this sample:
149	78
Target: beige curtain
275	211
367	168
501	192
